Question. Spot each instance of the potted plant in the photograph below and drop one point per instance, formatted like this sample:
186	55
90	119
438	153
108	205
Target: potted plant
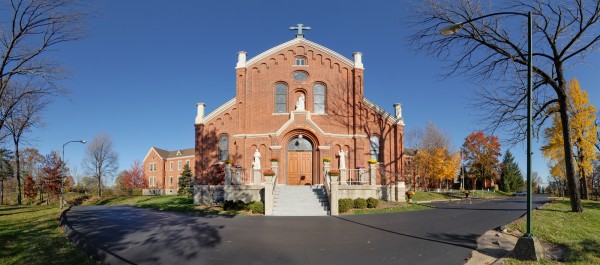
410	194
334	172
274	159
467	193
269	172
327	160
372	161
361	166
228	161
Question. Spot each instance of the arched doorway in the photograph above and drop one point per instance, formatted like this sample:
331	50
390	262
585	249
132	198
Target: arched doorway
299	161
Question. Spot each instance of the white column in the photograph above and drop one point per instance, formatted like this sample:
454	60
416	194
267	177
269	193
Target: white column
241	63
269	195
227	174
200	114
333	203
358	60
257	176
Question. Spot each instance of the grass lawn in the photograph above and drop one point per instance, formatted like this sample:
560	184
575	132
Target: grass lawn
31	235
578	232
456	194
390	207
163	203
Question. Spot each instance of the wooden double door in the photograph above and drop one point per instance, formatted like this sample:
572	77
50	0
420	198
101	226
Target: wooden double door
300	168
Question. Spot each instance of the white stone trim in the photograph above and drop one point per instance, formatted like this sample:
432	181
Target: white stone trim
148	154
179	157
275	147
249	135
380	111
304	41
324	147
219	110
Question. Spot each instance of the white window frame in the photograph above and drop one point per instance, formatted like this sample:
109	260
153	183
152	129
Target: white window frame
178	165
171	166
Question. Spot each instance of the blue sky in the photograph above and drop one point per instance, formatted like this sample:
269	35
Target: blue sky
145	64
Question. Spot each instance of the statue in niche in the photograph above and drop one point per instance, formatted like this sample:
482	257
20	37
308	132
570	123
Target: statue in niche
300	103
342	155
256	162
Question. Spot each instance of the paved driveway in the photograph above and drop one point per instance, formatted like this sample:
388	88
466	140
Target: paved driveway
445	235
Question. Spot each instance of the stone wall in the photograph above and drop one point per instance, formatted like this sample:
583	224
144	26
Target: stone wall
208	194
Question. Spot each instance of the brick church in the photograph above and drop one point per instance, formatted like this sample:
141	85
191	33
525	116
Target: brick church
299	103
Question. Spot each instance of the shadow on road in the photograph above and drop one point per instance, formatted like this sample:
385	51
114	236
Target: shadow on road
466	241
129	231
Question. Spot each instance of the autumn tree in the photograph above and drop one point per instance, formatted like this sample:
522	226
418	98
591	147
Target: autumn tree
101	160
186	183
511	178
52	175
584	136
491	53
6	170
133	179
30	189
434	160
480	153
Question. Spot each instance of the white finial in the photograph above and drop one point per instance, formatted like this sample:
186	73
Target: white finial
200	115
398	109
358	60
241	60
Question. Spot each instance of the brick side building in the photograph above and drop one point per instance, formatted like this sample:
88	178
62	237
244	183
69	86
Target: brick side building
300	102
162	168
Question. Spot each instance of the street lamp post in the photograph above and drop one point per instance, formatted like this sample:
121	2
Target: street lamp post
62	165
528	246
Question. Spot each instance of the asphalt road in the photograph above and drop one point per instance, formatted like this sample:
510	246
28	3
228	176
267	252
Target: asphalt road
444	235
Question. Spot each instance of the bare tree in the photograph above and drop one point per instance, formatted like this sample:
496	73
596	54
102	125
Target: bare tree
100	160
564	32
20	120
29	29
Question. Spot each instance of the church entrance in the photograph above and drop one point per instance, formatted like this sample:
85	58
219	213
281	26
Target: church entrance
299	161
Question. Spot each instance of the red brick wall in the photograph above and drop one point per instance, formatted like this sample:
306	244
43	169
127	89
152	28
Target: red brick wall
254	113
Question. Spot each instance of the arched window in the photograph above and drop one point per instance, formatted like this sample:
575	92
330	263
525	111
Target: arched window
319	98
223	148
300	60
280	98
375	147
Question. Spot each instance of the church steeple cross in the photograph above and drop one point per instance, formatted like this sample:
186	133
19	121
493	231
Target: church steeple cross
299	28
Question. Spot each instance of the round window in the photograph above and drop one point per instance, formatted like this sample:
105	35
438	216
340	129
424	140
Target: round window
300	76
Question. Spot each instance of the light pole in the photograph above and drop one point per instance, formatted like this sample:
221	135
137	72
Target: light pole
529	240
62	171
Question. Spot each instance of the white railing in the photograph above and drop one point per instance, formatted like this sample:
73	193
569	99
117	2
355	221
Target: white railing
240	176
355	176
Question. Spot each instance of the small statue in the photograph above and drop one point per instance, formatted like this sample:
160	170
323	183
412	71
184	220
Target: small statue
300	103
256	163
342	155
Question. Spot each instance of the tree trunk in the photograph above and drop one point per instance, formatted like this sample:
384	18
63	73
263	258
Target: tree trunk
569	165
584	188
18	164
1	192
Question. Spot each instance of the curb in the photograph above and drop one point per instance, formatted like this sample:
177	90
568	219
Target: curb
97	253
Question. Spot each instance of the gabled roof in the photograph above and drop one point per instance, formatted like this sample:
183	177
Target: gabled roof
165	154
304	41
410	152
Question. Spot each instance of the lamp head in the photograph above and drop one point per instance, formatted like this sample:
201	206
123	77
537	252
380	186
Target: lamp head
83	141
452	29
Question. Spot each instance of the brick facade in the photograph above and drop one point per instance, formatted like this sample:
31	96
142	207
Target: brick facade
163	168
250	122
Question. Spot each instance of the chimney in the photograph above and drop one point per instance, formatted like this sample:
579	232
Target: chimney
200	115
358	60
241	60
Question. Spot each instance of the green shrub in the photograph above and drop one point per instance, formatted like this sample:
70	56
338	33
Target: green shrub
257	207
360	203
345	204
372	202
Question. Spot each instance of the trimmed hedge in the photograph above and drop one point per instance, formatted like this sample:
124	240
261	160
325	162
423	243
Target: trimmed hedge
257	207
360	203
372	202
345	205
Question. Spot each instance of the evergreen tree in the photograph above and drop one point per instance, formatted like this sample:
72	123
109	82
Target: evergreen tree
6	170
186	185
510	174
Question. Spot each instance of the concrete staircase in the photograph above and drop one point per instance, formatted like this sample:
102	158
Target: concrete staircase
300	201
